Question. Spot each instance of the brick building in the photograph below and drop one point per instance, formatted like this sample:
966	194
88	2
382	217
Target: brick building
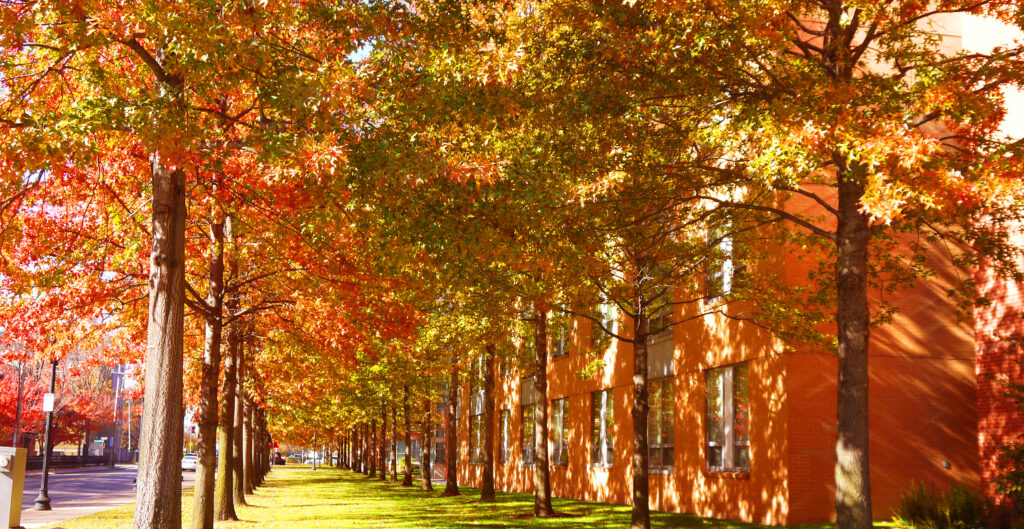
744	427
741	426
999	360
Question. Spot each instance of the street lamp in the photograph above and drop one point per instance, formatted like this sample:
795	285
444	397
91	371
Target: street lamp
43	500
117	377
17	413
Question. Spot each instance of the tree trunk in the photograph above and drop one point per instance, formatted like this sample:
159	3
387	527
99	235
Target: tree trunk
352	448
487	481
394	445
264	447
249	478
371	453
541	470
382	447
223	496
237	455
362	449
365	454
852	473
428	429
206	415
407	478
641	512
451	437
158	495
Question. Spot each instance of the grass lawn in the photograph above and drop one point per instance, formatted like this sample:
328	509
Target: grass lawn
295	497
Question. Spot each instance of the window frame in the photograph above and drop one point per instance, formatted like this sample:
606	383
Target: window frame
476	449
602	431
560	343
560	431
505	433
528	450
721	269
731	449
667	441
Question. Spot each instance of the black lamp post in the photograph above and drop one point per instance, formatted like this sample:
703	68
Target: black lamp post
43	500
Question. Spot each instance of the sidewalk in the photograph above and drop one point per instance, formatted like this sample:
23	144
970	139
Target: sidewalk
82	491
76	470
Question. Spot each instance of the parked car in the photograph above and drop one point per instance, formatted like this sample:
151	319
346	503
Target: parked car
188	462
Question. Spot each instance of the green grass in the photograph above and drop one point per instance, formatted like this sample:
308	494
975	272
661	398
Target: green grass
295	497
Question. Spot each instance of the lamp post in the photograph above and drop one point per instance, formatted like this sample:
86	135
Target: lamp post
115	436
17	412
43	500
131	459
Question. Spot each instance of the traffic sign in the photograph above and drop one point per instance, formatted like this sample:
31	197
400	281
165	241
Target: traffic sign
48	402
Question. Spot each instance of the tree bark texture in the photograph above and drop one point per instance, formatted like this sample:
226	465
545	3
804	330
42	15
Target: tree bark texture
365	453
223	494
541	470
407	478
451	436
641	512
487	480
853	485
371	454
237	455
248	446
158	495
382	448
427	433
206	415
394	445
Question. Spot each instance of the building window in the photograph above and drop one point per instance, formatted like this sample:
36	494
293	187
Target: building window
529	427
661	399
601	331
603	419
728	418
722	268
506	437
476	438
439	453
659	325
560	330
560	408
458	404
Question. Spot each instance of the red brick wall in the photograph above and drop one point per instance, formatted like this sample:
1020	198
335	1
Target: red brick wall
922	415
998	419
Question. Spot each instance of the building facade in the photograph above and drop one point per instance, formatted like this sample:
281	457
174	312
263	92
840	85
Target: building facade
743	425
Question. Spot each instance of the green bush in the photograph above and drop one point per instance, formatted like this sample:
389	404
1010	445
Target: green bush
1010	482
960	507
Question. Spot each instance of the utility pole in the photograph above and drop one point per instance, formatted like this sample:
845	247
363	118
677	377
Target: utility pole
131	459
43	500
21	390
115	436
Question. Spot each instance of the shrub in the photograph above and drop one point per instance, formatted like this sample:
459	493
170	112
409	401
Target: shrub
1010	482
960	507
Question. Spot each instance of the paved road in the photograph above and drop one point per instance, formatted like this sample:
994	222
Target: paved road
80	492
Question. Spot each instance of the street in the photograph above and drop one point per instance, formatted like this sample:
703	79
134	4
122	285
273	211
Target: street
77	492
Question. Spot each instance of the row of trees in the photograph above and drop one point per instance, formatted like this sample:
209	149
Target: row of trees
84	403
325	213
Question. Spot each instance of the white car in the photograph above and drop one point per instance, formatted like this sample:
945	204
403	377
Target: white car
188	462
